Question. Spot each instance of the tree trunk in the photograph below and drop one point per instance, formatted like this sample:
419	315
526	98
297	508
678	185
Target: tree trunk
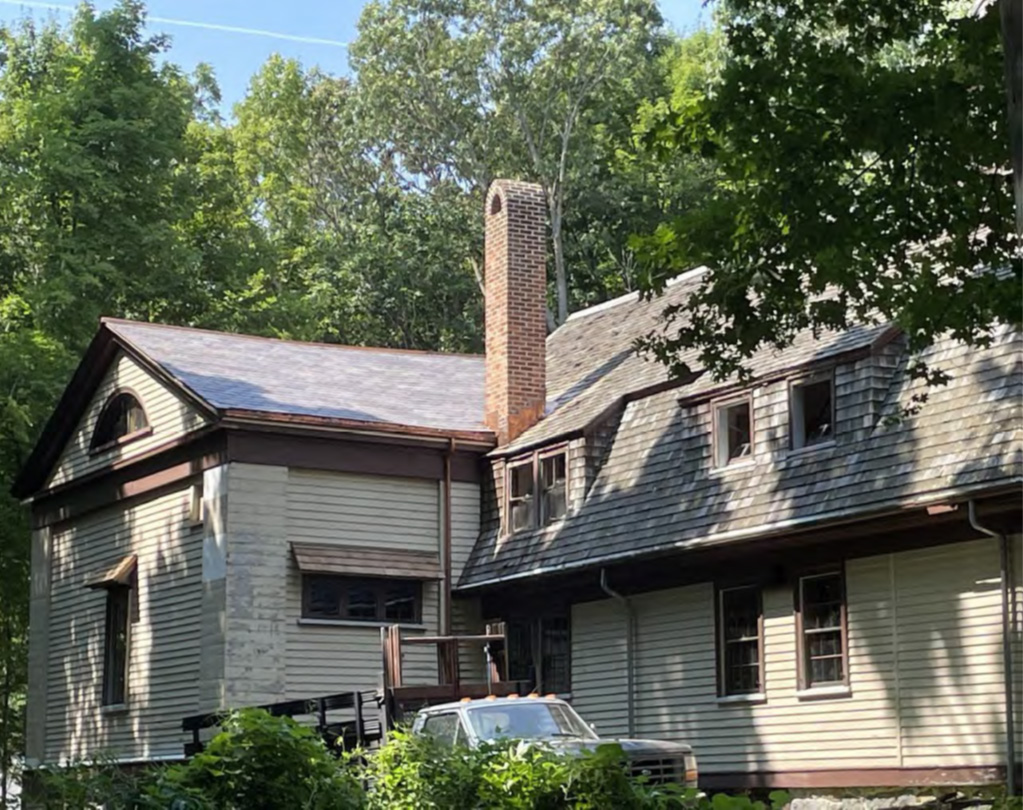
560	274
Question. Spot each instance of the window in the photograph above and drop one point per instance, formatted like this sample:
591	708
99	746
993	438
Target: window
553	487
740	641
361	599
520	497
821	623
122	417
812	413
115	646
539	653
537	491
442	727
733	432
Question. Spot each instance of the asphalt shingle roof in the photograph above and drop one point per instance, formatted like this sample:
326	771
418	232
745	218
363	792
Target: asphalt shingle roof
239	372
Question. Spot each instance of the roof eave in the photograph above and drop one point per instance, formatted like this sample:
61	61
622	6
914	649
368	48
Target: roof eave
240	418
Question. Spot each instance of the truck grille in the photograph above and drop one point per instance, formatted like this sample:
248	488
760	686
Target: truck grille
659	770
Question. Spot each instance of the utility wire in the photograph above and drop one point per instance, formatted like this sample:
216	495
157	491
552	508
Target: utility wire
230	29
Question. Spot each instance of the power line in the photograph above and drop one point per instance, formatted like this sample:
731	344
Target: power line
230	29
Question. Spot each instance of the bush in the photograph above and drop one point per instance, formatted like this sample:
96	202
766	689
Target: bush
260	762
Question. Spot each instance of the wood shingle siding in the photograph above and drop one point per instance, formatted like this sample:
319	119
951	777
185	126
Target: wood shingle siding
165	636
926	686
169	416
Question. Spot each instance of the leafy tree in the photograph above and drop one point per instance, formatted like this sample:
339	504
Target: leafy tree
360	257
120	197
860	152
466	90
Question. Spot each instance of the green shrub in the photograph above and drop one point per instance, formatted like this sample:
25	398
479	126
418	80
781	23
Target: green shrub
261	762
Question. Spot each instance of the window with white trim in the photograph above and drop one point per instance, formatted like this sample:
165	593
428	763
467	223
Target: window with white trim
822	634
812	412
733	432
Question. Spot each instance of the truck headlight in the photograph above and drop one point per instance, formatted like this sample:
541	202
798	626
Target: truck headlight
692	772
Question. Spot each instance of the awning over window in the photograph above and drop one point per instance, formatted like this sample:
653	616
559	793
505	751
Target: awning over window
361	561
119	574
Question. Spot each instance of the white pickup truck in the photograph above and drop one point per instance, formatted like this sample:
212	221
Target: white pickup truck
551	721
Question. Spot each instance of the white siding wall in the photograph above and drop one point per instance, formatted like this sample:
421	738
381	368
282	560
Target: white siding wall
169	416
924	660
362	510
164	638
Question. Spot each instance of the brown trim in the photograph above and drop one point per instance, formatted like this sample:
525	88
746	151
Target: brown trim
343	454
77	484
802	662
235	417
137	477
127	438
378	585
856	777
534	459
365	561
719	635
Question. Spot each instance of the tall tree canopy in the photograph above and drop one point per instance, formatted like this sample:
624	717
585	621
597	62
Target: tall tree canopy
861	156
467	90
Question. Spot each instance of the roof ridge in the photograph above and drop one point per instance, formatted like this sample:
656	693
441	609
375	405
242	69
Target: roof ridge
634	295
221	333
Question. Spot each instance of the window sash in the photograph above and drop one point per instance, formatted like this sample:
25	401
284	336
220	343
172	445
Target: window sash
733	432
326	596
740	655
554	486
812	423
116	646
816	667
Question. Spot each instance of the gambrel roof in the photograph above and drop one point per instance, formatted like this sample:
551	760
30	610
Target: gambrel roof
656	489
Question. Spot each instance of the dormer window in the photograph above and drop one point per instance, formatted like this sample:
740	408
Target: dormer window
122	419
537	491
812	412
520	496
733	432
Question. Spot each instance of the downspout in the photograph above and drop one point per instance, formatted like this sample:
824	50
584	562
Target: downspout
630	645
446	540
1010	719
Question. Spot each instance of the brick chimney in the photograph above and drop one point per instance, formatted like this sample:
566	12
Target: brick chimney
516	307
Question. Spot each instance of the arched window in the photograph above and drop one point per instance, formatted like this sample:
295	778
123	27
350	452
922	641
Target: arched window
122	416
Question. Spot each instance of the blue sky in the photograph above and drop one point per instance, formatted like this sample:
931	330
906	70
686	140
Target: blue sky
237	36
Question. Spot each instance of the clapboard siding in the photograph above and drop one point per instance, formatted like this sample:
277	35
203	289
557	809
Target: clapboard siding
378	511
169	415
367	510
164	638
924	659
599	665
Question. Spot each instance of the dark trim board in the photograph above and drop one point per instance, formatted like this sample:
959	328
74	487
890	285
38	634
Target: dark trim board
769	561
856	778
343	454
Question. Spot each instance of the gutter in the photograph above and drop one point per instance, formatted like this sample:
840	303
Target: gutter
630	649
1011	787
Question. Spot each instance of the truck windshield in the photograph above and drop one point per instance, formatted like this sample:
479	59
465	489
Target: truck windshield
529	720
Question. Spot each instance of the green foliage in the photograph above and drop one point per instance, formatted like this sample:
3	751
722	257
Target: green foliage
260	762
859	151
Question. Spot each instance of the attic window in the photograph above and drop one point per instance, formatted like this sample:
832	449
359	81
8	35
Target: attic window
733	432
812	413
520	496
122	419
536	490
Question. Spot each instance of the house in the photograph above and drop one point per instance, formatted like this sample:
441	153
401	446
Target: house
811	593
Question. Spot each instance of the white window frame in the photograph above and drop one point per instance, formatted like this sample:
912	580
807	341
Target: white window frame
797	421
719	431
